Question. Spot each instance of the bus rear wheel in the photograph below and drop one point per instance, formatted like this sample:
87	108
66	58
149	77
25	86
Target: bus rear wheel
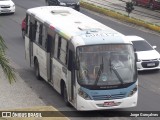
36	68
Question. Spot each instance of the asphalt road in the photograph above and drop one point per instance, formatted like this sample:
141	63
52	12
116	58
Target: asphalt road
10	29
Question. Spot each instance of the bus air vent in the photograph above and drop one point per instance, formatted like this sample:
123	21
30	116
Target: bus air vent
62	12
109	97
88	29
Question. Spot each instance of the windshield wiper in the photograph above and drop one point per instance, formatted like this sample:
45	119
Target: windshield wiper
99	72
116	72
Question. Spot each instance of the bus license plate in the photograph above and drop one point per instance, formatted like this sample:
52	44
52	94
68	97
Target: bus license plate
111	103
150	64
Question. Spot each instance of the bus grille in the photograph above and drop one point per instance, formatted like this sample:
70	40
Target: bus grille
108	97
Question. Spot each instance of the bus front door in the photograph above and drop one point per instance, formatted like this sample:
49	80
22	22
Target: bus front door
71	77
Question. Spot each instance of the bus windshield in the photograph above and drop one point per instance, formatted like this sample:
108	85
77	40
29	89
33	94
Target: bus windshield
106	65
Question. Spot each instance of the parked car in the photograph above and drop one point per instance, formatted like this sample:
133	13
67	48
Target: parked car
148	57
7	6
23	27
152	4
69	3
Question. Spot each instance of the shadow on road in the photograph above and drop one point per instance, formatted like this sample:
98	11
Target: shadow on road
147	72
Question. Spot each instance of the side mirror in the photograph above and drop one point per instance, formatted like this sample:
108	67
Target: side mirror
154	47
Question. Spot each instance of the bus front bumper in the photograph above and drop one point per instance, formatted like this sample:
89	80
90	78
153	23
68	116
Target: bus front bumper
87	105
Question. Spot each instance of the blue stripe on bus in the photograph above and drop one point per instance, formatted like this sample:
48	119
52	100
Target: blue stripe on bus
109	94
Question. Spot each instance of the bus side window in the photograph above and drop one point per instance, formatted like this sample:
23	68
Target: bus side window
26	27
62	50
44	38
50	44
59	47
40	34
56	46
32	28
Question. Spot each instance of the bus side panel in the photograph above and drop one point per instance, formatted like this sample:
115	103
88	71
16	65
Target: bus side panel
28	50
69	84
58	74
42	60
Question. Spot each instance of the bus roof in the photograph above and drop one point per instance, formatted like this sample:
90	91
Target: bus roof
69	22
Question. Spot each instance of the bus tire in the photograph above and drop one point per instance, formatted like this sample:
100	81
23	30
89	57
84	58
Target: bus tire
36	68
65	95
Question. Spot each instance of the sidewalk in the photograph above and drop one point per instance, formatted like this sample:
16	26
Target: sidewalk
140	13
18	96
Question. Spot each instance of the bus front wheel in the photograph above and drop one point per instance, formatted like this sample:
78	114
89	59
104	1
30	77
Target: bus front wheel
65	96
36	68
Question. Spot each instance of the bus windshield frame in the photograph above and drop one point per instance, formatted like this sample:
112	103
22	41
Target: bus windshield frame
106	66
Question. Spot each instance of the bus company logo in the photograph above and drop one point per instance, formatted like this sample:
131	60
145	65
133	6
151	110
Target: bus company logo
6	114
108	96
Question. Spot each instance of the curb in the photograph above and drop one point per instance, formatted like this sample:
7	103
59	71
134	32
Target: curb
36	109
119	16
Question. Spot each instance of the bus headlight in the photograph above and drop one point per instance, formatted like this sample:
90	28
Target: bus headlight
83	94
134	90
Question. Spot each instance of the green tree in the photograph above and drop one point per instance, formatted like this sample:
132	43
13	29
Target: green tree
4	62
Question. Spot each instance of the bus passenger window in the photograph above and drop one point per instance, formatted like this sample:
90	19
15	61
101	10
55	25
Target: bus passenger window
59	47
49	45
40	34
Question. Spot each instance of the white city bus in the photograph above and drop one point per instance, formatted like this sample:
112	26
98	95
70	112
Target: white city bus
91	65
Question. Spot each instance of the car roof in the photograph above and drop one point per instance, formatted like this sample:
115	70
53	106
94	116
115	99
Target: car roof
134	38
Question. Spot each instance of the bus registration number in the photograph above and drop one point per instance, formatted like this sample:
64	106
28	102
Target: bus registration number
111	103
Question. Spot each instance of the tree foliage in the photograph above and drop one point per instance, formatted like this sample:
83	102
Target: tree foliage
4	62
